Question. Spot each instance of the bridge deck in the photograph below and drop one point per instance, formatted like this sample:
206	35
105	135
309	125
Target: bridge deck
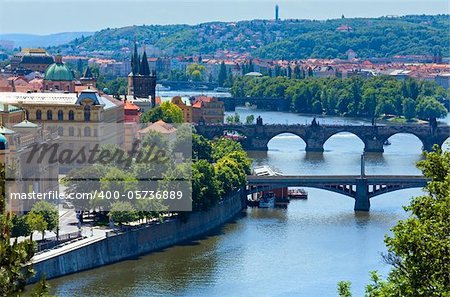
252	179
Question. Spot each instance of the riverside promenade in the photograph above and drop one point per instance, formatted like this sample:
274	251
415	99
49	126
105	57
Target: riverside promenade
106	246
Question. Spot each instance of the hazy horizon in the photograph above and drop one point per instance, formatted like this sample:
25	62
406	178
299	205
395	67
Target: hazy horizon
50	16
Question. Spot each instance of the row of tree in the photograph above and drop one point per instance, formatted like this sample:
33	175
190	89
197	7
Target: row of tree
42	217
355	96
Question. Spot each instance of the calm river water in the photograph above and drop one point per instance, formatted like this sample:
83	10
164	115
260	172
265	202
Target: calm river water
303	250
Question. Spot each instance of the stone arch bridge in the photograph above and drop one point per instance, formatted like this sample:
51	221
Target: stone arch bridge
257	136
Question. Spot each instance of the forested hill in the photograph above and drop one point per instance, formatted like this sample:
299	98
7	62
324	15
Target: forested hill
286	39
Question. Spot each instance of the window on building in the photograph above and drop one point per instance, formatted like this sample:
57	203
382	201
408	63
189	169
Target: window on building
60	131
71	131
49	115
87	131
60	115
71	115
38	115
87	113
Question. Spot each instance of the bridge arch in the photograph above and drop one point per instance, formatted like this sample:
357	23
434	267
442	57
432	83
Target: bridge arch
297	142
347	138
412	139
446	145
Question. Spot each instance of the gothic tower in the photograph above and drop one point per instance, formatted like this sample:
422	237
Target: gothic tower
141	81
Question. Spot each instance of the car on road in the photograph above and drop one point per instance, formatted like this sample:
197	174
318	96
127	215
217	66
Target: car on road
67	205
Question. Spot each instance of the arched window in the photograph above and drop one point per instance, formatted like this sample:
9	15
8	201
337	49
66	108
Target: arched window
38	115
60	131
87	113
49	115
60	115
71	131
71	115
87	131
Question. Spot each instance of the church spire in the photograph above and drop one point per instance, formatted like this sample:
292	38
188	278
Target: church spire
88	73
144	69
135	61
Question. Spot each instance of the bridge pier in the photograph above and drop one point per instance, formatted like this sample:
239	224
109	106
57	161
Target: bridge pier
374	146
256	144
314	145
362	201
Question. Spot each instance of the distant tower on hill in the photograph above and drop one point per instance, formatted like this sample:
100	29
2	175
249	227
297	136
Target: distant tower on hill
277	16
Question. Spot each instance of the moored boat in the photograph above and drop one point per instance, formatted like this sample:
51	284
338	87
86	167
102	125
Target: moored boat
267	200
297	194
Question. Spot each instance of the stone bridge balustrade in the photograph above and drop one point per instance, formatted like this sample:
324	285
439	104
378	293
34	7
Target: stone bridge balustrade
315	136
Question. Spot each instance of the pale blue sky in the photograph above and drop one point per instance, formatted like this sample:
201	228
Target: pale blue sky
51	16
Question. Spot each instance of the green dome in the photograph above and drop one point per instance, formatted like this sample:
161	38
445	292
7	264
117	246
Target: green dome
3	142
58	72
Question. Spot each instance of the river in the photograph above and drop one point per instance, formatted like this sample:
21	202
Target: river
303	250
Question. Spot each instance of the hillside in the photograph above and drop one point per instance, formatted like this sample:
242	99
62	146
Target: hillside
289	39
30	40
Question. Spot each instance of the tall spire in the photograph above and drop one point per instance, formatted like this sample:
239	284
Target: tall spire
87	73
135	61
144	69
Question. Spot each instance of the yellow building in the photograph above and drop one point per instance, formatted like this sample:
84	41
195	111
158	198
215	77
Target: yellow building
81	120
24	175
186	109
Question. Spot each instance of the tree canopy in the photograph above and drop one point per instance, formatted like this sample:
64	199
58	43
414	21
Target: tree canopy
419	247
167	111
356	96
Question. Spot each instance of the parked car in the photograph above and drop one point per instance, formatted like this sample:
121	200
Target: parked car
67	205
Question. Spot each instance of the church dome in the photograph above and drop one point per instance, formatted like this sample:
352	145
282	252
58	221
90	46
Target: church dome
3	142
58	71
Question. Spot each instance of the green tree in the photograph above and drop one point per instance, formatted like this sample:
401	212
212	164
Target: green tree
37	222
122	212
419	247
249	119
20	226
344	289
195	71
168	112
13	259
42	288
201	148
205	186
409	108
49	212
222	74
223	146
230	174
428	107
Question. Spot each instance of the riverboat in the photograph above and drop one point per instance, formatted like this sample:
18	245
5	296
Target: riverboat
297	194
267	200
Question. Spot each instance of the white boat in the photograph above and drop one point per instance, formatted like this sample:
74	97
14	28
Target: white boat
160	87
221	90
267	200
265	171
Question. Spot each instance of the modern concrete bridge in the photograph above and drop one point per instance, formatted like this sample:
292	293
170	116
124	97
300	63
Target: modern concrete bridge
315	135
360	187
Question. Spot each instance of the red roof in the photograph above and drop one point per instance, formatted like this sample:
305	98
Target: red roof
130	106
